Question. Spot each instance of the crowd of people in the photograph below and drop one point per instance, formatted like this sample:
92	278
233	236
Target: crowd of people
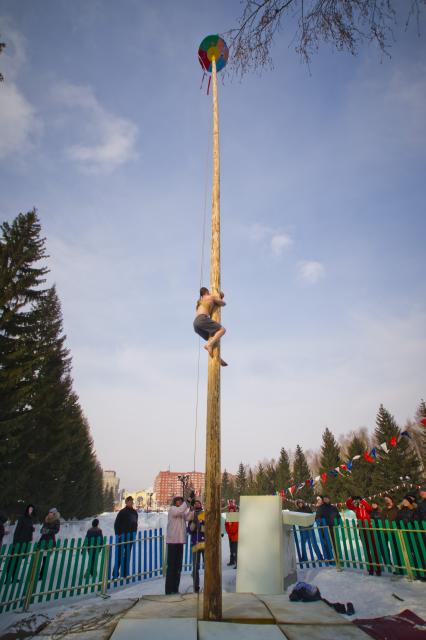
187	517
380	550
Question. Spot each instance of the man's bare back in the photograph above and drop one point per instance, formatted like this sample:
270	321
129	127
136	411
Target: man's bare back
206	303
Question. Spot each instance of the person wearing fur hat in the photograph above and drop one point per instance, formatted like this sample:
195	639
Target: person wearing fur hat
176	535
50	528
196	528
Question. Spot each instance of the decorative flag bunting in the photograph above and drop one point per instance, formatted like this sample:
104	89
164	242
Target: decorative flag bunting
403	485
348	465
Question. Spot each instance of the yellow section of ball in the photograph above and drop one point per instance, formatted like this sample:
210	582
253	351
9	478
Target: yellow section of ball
213	52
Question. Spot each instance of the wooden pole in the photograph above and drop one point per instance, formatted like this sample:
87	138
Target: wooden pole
212	556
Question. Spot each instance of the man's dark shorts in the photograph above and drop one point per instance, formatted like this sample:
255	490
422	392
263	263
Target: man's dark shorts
205	326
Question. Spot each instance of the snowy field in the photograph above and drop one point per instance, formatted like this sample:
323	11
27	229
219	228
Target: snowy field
371	596
78	528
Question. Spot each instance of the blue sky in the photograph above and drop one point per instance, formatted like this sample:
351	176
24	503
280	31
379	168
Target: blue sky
104	128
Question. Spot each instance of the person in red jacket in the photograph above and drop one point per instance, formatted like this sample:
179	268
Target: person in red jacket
363	510
232	531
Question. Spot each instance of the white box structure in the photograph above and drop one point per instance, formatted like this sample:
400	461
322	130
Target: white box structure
260	545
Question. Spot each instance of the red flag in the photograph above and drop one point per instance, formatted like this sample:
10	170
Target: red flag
344	467
423	421
282	493
323	478
292	489
368	457
392	441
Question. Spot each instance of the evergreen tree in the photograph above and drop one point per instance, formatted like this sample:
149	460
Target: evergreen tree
283	471
261	481
227	489
330	459
45	444
301	473
241	481
251	489
360	480
270	477
21	275
400	461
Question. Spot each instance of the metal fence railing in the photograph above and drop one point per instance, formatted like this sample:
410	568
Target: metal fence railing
33	573
376	546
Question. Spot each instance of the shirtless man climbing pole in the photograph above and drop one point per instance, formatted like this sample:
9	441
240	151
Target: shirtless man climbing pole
207	328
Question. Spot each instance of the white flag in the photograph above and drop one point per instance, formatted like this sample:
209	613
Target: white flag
384	446
356	458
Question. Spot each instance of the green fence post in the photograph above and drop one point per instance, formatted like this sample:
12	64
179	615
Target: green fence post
405	554
32	580
164	556
105	570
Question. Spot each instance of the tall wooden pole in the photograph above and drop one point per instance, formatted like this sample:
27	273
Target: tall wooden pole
212	555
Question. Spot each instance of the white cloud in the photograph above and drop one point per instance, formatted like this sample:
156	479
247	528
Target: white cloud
18	122
110	139
311	271
279	242
14	55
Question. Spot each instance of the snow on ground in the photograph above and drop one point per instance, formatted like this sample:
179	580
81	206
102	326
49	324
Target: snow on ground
370	595
78	528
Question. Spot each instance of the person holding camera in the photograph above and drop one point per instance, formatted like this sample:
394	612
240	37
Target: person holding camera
176	535
196	530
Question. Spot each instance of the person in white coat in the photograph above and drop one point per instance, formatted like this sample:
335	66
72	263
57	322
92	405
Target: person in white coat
176	535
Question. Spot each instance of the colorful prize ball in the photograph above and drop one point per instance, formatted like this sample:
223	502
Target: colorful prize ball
213	47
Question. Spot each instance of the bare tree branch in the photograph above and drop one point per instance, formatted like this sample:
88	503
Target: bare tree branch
345	24
2	46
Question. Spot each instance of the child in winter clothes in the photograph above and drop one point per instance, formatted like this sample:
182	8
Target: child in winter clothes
93	540
231	529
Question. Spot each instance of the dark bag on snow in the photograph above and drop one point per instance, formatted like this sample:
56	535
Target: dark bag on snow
304	592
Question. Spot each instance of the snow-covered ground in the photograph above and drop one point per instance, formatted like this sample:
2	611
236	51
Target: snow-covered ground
78	528
371	596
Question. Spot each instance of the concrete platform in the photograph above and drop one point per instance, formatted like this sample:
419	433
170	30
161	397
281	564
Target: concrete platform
236	631
285	611
150	629
322	632
245	615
